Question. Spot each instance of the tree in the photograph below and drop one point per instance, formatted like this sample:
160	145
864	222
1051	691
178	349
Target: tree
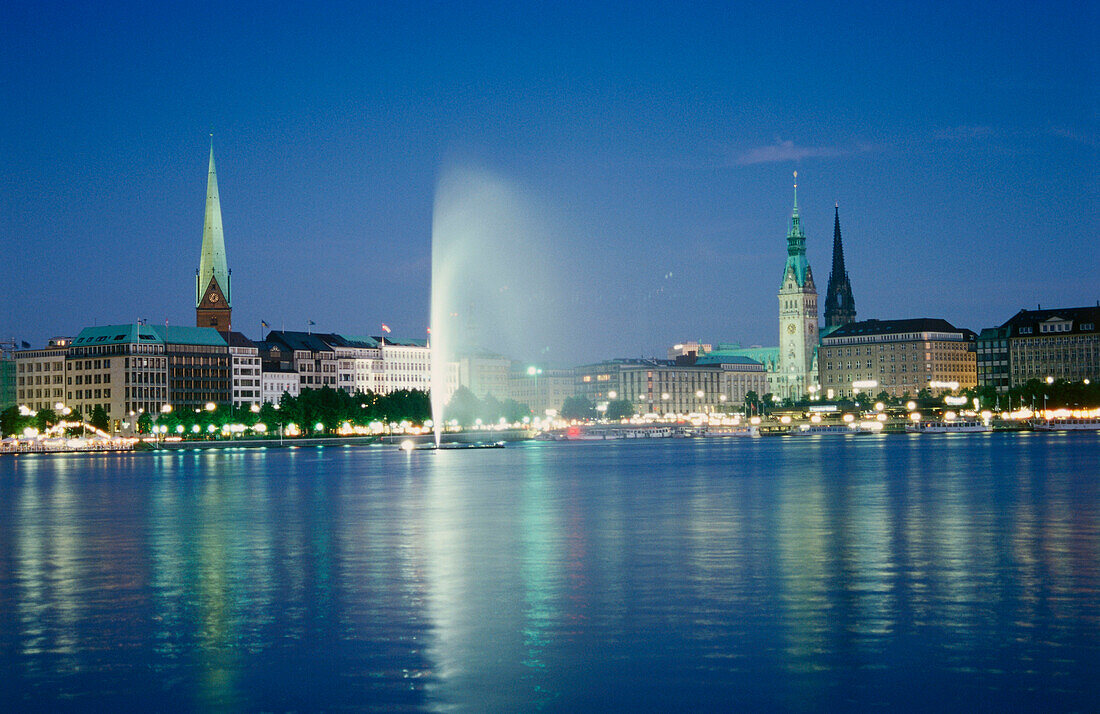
144	423
12	422
464	407
99	418
620	409
752	402
578	407
45	418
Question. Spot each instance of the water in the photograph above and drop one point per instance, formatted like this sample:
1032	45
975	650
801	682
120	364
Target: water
952	572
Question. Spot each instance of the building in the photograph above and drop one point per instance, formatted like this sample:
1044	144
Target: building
40	375
308	355
358	363
992	357
213	289
7	374
122	369
244	358
840	306
485	373
276	379
1062	344
199	369
407	364
681	386
798	338
543	389
900	357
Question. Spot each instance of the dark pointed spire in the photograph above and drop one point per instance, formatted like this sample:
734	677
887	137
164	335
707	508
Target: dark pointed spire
840	306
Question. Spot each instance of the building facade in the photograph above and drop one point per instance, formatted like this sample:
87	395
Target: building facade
798	317
244	358
682	386
40	375
1062	344
900	357
121	368
992	355
543	389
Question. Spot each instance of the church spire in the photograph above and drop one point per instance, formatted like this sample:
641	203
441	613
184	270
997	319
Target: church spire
840	306
212	263
796	243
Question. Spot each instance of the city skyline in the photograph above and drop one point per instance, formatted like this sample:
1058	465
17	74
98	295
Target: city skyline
672	178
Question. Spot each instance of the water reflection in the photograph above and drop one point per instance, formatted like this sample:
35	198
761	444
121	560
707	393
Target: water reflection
771	573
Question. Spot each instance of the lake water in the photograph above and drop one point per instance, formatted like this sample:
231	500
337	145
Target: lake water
923	572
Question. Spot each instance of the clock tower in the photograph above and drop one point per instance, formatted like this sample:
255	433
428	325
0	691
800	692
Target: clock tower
798	320
213	291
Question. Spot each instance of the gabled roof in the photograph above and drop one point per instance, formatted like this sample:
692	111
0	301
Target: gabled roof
298	340
183	335
117	334
1077	315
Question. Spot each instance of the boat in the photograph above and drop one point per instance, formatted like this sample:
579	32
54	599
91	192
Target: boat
825	429
730	431
947	427
1067	424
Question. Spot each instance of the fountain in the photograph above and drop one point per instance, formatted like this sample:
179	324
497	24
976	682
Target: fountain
493	277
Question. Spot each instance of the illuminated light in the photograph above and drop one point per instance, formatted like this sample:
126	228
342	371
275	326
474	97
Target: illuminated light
754	420
943	385
407	445
211	428
871	425
881	417
260	427
165	408
955	401
721	397
210	406
196	429
179	428
910	405
816	418
949	416
849	418
785	419
879	406
612	394
987	415
865	384
1050	380
915	416
255	408
699	394
664	395
823	408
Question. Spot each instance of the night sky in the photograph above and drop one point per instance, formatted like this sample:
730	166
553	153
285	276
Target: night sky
959	138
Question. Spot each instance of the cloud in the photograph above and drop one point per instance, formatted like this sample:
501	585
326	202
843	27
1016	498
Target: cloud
965	132
1079	137
785	151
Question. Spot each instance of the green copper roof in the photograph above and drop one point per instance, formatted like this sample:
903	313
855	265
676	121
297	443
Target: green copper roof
149	335
796	244
212	264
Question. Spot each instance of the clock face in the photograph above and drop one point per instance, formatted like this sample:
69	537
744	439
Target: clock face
790	329
214	297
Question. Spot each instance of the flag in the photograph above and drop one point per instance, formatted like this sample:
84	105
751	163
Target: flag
310	322
26	345
264	324
385	327
429	330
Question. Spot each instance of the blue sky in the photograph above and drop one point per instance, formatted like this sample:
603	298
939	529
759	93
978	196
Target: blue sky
960	140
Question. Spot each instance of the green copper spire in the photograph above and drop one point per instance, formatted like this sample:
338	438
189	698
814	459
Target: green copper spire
796	243
212	264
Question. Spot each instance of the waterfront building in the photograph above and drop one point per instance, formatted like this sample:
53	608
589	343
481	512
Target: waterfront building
244	357
840	306
543	389
900	357
1062	344
7	374
485	373
278	378
992	358
682	386
309	355
213	288
798	318
358	363
199	370
121	368
40	375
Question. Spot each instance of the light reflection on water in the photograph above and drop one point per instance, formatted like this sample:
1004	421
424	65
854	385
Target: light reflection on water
808	574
